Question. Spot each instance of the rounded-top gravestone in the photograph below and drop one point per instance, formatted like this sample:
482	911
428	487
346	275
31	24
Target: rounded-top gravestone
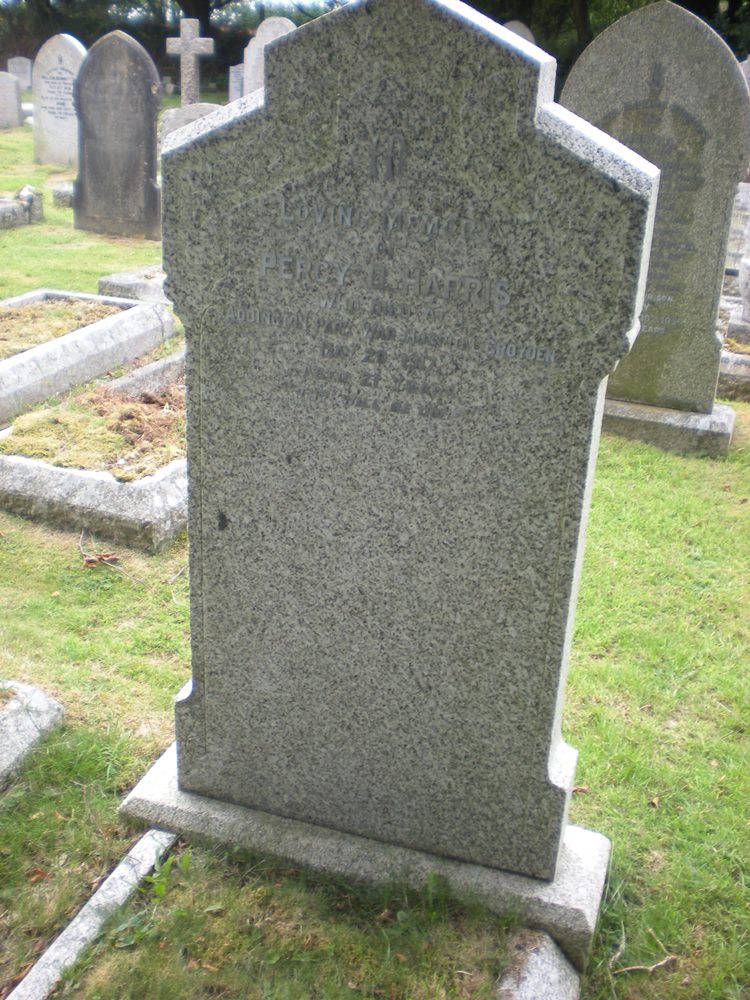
55	123
20	66
117	97
254	60
664	83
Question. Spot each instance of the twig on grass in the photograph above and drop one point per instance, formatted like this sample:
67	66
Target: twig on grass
621	948
91	559
667	960
176	577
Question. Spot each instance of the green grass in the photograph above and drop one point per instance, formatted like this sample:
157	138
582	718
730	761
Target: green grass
658	704
54	254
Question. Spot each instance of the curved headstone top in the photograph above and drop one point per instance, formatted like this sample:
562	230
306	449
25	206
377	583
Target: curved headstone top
400	300
117	96
254	58
55	122
664	83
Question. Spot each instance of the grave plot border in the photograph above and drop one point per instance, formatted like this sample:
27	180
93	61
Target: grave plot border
26	718
48	369
145	513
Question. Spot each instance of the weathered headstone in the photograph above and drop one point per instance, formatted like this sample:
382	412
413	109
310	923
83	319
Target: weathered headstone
401	302
20	66
661	81
174	118
190	47
117	96
11	115
236	80
255	51
520	29
55	121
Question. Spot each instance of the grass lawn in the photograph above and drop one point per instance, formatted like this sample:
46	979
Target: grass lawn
658	704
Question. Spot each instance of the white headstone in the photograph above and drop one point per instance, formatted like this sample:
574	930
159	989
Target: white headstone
20	66
269	30
55	121
11	114
236	80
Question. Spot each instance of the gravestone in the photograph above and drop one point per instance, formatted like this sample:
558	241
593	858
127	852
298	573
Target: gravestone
520	29
401	301
11	115
20	66
661	81
254	62
236	79
174	118
190	47
117	95
55	120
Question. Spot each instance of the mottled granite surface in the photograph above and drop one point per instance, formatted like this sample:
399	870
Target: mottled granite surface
400	302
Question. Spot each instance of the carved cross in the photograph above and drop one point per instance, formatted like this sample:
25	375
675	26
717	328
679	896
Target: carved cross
189	47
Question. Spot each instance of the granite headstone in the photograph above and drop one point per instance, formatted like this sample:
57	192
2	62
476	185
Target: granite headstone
665	84
189	47
11	115
55	121
117	95
398	338
20	66
254	62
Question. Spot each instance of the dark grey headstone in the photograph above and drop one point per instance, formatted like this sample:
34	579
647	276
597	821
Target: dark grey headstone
117	94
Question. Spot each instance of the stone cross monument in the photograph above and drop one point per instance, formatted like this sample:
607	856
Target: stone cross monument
189	47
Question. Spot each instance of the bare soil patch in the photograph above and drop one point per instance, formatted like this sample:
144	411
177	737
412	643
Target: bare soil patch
104	430
22	327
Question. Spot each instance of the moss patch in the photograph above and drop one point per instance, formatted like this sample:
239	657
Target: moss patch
104	430
22	327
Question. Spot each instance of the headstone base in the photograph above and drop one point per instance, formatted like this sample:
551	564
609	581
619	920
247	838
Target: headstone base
566	908
738	328
672	430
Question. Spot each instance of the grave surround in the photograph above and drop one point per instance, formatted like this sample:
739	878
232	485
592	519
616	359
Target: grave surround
376	433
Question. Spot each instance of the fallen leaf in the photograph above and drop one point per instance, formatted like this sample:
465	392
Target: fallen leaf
36	874
401	957
580	789
654	803
714	763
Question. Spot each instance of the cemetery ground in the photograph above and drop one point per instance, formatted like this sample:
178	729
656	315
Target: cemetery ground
657	705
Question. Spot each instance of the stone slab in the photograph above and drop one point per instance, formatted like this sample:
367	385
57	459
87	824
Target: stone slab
672	430
145	513
44	976
55	121
566	908
650	80
57	365
151	377
393	423
734	376
62	197
24	720
537	970
146	285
